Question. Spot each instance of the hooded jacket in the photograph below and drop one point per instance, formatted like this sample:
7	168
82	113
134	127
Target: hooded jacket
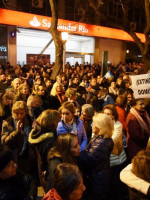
42	142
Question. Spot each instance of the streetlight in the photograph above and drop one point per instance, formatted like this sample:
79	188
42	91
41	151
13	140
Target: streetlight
64	37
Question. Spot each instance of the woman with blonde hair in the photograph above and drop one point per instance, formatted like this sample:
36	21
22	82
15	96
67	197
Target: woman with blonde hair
60	95
42	137
15	131
22	93
35	89
94	160
71	96
34	104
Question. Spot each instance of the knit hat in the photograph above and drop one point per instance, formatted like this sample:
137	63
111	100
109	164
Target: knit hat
6	155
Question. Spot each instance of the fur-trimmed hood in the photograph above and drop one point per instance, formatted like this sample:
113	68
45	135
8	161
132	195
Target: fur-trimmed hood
36	136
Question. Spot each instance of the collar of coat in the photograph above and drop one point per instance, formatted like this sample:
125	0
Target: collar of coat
39	139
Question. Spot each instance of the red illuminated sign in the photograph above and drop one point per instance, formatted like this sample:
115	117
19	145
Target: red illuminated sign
16	18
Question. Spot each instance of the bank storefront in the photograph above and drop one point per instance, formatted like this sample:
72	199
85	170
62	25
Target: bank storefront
27	35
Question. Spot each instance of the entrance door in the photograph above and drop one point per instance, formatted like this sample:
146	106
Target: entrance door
73	59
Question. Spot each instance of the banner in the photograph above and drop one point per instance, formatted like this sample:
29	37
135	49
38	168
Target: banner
141	86
38	59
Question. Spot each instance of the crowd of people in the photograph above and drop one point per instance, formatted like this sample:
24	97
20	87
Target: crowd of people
82	136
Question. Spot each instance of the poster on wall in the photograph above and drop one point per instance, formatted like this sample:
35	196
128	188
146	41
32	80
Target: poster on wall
37	59
141	86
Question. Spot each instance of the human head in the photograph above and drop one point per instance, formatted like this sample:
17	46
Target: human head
113	84
75	80
111	110
48	83
129	95
23	89
103	92
58	79
121	101
77	111
71	94
119	81
34	101
126	77
141	163
2	77
139	104
7	165
38	81
93	81
67	111
5	99
87	111
102	125
35	89
68	146
48	120
16	83
81	90
41	90
19	110
59	88
95	89
68	182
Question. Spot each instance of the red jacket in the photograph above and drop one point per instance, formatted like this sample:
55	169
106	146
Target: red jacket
52	195
137	138
122	117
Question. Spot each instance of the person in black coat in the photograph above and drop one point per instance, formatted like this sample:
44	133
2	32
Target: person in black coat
42	138
94	160
13	184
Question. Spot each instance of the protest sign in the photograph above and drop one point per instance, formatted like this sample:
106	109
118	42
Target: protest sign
141	86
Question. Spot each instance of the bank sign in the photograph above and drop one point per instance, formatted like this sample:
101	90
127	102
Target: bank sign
21	19
141	86
46	24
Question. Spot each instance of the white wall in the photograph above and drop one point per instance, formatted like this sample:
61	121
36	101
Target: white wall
116	50
33	42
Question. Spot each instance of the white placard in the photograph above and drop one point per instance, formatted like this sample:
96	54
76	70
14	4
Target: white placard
141	86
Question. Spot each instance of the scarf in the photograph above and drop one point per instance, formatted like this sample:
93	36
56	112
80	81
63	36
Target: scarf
140	120
70	128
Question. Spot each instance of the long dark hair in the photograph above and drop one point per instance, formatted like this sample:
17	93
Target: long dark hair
63	148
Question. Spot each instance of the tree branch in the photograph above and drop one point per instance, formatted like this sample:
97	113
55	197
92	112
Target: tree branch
147	29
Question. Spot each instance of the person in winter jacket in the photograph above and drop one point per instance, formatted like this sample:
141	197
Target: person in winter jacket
67	150
138	128
71	124
94	161
118	158
42	137
13	184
